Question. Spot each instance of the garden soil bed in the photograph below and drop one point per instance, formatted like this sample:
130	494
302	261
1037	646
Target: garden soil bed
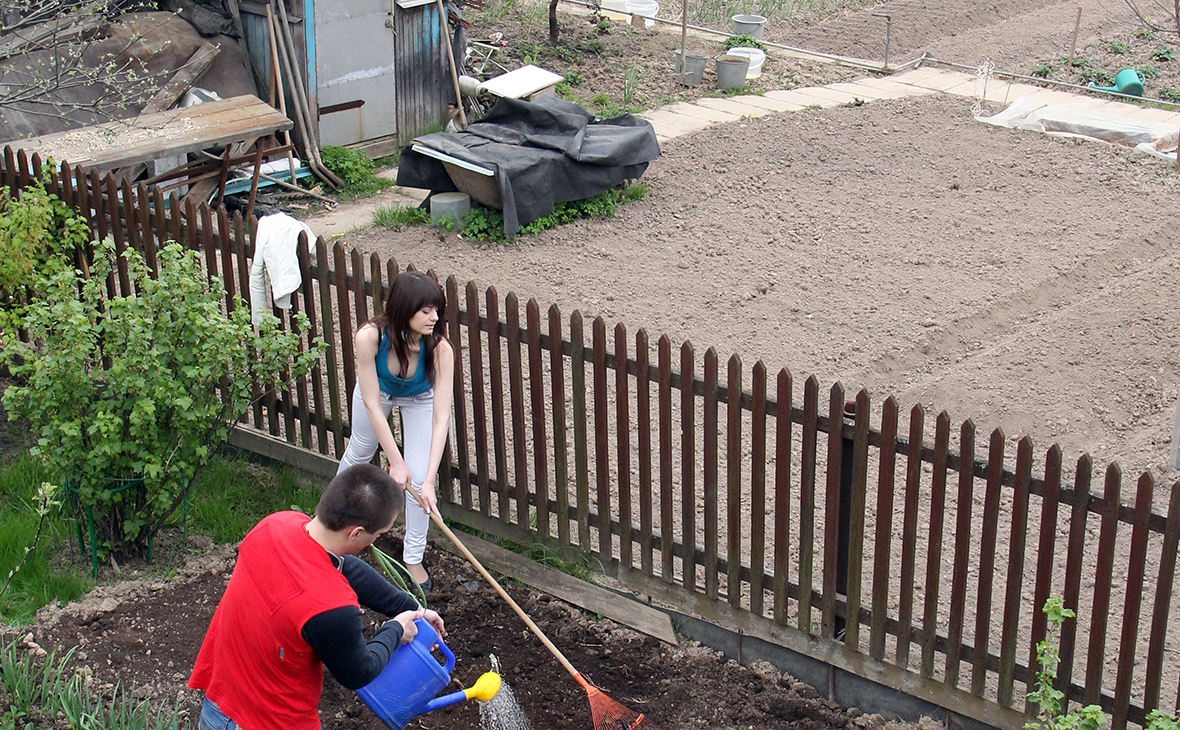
146	633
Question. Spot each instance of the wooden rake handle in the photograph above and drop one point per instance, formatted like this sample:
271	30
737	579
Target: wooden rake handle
499	589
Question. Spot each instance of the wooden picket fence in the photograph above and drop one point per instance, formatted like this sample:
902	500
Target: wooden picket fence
840	530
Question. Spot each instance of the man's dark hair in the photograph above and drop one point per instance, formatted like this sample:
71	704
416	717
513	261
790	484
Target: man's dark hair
362	495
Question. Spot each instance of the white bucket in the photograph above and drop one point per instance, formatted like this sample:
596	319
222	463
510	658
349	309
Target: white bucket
756	56
646	9
615	10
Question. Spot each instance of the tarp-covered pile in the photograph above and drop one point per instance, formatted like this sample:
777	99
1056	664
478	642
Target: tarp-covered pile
542	153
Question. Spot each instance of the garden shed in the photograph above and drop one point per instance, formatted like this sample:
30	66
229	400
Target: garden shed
377	70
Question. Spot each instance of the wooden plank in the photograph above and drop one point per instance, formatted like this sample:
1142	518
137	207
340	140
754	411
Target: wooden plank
520	475
251	439
240	246
602	441
578	401
909	536
333	355
942	430
114	210
587	596
733	470
711	484
1075	553
1163	601
883	540
963	504
1017	543
361	301
540	447
782	493
313	331
1132	603
162	134
758	488
560	453
667	529
623	446
807	468
688	470
1104	570
496	380
856	528
460	399
643	430
479	417
346	323
305	337
831	545
1046	543
987	561
183	79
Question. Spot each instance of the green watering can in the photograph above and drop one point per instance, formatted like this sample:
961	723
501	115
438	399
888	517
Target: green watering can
1128	81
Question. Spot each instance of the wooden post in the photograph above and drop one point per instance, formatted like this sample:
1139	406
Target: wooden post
1174	451
1074	43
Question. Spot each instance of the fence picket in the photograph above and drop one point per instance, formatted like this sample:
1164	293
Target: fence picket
782	494
115	211
987	561
1046	543
601	441
623	447
460	399
560	451
758	489
667	529
942	435
496	380
333	354
733	469
345	321
537	401
909	536
1100	616
856	527
688	470
1163	601
1075	553
807	466
882	542
520	476
963	504
832	549
1017	540
643	427
313	331
581	458
1133	602
711	475
478	407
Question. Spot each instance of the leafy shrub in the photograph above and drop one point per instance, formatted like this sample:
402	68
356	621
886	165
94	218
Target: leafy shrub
1047	697
573	79
744	41
1043	71
355	169
39	236
1163	54
486	224
1144	34
1170	93
128	396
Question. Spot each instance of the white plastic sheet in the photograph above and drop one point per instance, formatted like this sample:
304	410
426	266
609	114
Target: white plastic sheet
1065	121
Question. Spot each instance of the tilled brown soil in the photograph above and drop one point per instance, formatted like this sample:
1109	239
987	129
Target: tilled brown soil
146	633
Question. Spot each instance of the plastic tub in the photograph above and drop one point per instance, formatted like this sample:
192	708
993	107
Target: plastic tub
748	25
756	56
646	9
615	10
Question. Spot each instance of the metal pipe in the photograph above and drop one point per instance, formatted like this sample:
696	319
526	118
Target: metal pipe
888	28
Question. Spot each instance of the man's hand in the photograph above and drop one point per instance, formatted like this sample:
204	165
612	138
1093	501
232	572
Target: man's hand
436	621
409	628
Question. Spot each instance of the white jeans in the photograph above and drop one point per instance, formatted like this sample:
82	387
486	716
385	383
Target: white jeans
417	415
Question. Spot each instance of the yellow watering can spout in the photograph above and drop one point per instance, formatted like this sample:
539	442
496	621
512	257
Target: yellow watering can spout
485	688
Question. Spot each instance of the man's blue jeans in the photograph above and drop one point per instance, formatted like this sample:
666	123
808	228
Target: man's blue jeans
212	718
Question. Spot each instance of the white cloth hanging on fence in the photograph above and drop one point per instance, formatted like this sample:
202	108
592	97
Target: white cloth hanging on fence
276	249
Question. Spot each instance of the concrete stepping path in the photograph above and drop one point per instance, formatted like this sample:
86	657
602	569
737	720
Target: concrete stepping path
682	117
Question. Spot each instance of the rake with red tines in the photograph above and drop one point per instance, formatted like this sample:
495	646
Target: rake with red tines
607	713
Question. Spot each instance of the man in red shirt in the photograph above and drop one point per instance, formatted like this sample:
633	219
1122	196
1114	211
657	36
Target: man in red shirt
293	606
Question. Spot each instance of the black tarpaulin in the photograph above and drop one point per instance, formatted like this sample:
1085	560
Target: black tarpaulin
543	152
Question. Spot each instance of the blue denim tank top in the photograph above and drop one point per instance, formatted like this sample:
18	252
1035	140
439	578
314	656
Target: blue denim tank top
393	385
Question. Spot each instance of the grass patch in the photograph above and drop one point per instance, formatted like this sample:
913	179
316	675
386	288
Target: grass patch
232	494
398	217
356	170
38	581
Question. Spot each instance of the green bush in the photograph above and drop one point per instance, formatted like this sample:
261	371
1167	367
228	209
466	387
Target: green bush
39	236
1043	71
128	396
1046	696
355	169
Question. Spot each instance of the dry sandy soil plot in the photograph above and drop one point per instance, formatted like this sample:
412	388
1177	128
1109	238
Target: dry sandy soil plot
1016	279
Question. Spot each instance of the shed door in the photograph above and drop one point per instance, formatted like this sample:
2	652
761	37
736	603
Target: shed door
354	70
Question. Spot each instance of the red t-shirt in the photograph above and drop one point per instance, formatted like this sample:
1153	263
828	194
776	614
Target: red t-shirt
254	663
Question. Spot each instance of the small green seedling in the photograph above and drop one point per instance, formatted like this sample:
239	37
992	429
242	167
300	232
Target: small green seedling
1046	696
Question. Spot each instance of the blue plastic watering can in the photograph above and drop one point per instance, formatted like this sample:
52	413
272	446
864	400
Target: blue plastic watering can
1128	81
407	686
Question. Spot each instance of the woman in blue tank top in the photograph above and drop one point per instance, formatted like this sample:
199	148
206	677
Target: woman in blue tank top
402	361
